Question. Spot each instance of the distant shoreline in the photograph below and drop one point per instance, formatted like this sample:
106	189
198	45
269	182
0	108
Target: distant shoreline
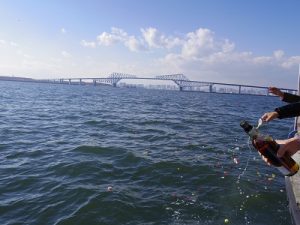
22	79
9	78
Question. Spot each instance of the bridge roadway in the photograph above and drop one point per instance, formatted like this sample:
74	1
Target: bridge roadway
180	80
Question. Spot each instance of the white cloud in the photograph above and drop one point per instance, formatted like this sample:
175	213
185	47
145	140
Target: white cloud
150	38
262	60
66	54
199	53
63	31
291	62
198	43
8	43
116	35
155	39
107	39
278	54
203	43
134	44
90	44
2	42
227	46
13	44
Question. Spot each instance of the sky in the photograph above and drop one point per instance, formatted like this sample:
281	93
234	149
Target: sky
254	42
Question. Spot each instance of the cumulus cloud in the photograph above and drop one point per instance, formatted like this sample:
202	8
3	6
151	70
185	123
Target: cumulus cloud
205	57
227	46
198	43
155	39
150	38
198	53
290	62
90	44
202	43
115	36
134	44
278	54
202	49
118	35
63	31
194	44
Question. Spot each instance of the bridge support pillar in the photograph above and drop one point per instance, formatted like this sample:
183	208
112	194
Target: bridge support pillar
94	82
114	84
210	88
240	88
80	81
70	81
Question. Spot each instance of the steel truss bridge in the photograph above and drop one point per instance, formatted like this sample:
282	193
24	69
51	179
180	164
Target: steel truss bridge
180	80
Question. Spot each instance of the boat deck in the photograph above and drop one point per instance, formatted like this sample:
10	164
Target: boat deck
293	193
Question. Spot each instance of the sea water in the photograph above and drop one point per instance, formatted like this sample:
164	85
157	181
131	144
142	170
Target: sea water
80	154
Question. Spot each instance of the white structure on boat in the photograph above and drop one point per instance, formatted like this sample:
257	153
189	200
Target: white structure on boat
293	183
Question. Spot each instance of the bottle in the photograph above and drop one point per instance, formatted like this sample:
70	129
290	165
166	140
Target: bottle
266	145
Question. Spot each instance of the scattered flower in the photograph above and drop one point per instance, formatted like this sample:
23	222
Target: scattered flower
235	160
109	188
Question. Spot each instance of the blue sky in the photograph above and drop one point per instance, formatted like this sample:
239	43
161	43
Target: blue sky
248	42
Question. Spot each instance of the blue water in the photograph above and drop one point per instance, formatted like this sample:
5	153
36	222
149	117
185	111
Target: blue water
103	155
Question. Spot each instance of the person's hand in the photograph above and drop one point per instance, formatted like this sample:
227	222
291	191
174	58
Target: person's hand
269	116
289	146
276	91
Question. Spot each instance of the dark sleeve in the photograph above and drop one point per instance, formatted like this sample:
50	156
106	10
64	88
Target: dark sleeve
290	110
290	98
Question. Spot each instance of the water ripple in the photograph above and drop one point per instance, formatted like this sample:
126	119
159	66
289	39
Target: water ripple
101	155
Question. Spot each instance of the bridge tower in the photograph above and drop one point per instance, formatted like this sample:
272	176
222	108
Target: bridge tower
114	78
178	79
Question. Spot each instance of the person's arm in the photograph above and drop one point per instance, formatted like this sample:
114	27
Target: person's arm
282	112
289	146
276	91
290	110
290	98
284	96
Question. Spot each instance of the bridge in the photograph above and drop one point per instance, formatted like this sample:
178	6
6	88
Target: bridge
182	82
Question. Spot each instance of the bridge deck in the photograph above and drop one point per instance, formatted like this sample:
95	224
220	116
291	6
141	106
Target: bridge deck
182	82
